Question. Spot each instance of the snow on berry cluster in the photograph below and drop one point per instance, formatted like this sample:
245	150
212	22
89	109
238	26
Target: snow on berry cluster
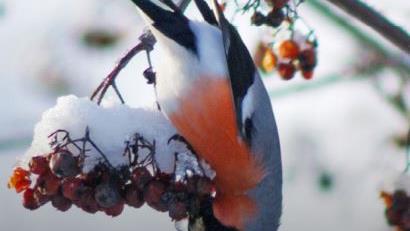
397	202
100	158
110	125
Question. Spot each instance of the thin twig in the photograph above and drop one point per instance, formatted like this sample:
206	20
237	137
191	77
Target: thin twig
377	21
88	139
110	79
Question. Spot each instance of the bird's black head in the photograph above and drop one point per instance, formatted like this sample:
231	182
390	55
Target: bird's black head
172	24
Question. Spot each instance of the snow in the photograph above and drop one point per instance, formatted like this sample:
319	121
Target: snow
110	126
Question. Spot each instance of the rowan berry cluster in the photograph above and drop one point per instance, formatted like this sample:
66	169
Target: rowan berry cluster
58	177
289	57
274	18
397	209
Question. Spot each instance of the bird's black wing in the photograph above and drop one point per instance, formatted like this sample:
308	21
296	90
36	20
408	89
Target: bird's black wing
241	68
206	12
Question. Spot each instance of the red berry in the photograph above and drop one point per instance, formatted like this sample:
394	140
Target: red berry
115	210
286	70
61	203
177	210
288	49
153	193
307	75
40	197
277	4
64	164
107	195
48	183
29	201
141	177
258	18
133	196
275	18
393	217
307	59
38	165
400	201
87	201
72	188
405	220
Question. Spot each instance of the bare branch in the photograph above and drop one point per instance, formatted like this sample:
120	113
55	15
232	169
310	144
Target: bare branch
377	21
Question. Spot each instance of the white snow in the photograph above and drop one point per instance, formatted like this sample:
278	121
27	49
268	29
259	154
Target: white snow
346	128
110	125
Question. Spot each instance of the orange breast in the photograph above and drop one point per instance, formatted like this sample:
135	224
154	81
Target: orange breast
206	118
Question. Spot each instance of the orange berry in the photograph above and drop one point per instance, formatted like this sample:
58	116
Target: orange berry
288	49
258	54
268	61
20	180
388	198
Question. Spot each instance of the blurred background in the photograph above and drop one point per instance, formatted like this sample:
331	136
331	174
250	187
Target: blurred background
343	134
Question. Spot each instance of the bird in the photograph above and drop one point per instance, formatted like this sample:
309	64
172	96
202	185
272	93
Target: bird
209	88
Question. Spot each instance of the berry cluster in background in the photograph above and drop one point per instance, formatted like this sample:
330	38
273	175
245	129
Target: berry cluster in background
288	49
57	177
289	57
397	209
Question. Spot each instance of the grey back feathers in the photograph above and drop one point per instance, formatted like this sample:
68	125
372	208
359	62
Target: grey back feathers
265	145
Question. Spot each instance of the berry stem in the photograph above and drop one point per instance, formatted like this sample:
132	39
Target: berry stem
110	79
88	139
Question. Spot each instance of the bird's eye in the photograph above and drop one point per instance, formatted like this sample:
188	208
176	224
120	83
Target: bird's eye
248	127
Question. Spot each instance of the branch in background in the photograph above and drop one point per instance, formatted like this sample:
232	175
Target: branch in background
389	57
385	58
183	4
377	21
